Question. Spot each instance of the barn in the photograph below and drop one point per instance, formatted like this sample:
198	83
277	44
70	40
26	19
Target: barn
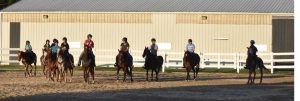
216	26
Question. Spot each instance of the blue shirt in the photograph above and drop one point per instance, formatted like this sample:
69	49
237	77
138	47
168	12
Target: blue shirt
54	49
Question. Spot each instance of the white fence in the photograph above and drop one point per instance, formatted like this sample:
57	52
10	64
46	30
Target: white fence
174	59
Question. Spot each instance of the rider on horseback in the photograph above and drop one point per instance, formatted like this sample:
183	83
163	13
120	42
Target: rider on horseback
89	45
45	49
28	49
190	47
54	47
153	47
47	45
252	50
65	51
124	47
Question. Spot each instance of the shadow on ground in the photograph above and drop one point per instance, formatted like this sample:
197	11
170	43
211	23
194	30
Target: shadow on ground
267	92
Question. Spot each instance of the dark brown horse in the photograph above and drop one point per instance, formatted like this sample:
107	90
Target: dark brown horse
44	62
152	62
125	65
191	63
88	67
253	64
27	59
64	65
52	68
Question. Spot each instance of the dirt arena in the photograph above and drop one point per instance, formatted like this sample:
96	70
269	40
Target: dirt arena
171	87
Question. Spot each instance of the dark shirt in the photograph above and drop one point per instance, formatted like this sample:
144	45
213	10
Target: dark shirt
66	45
252	50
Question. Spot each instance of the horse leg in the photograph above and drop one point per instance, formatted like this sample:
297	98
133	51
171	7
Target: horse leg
261	75
84	75
88	75
151	74
188	73
194	72
124	80
156	72
71	74
249	77
131	73
34	69
92	74
118	70
30	70
147	75
197	70
254	75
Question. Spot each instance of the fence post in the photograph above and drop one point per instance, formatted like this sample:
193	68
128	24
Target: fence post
235	63
163	66
272	62
219	61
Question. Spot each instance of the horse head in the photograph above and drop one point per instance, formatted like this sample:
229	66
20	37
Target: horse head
20	54
146	52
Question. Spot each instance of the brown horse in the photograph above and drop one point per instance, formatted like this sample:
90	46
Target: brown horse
252	63
88	67
27	59
51	65
191	63
252	66
126	66
153	63
64	64
44	62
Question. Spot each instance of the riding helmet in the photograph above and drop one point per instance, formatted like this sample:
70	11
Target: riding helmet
252	42
124	39
153	39
89	35
27	41
190	40
47	40
55	41
65	38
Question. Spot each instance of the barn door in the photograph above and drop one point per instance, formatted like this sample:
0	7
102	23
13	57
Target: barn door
14	38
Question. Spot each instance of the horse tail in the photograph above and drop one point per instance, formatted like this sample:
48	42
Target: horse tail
261	63
160	61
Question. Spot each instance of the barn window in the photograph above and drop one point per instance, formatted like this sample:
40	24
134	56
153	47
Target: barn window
204	17
45	16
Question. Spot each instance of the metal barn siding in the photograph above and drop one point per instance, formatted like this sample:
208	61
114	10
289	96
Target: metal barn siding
219	33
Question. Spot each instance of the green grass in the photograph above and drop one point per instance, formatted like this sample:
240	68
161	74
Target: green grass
138	69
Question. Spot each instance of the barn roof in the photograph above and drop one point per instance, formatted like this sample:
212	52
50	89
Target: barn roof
254	6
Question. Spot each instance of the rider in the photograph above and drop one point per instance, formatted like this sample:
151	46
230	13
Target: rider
46	48
89	44
190	47
28	49
252	50
47	45
65	50
54	47
153	47
124	47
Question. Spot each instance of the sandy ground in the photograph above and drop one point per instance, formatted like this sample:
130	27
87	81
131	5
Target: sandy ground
171	87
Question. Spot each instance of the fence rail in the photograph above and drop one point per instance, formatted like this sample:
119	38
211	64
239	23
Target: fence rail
174	59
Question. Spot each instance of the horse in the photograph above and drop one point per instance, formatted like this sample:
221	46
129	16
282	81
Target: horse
27	60
43	62
152	62
252	63
191	63
64	64
126	66
87	66
51	65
